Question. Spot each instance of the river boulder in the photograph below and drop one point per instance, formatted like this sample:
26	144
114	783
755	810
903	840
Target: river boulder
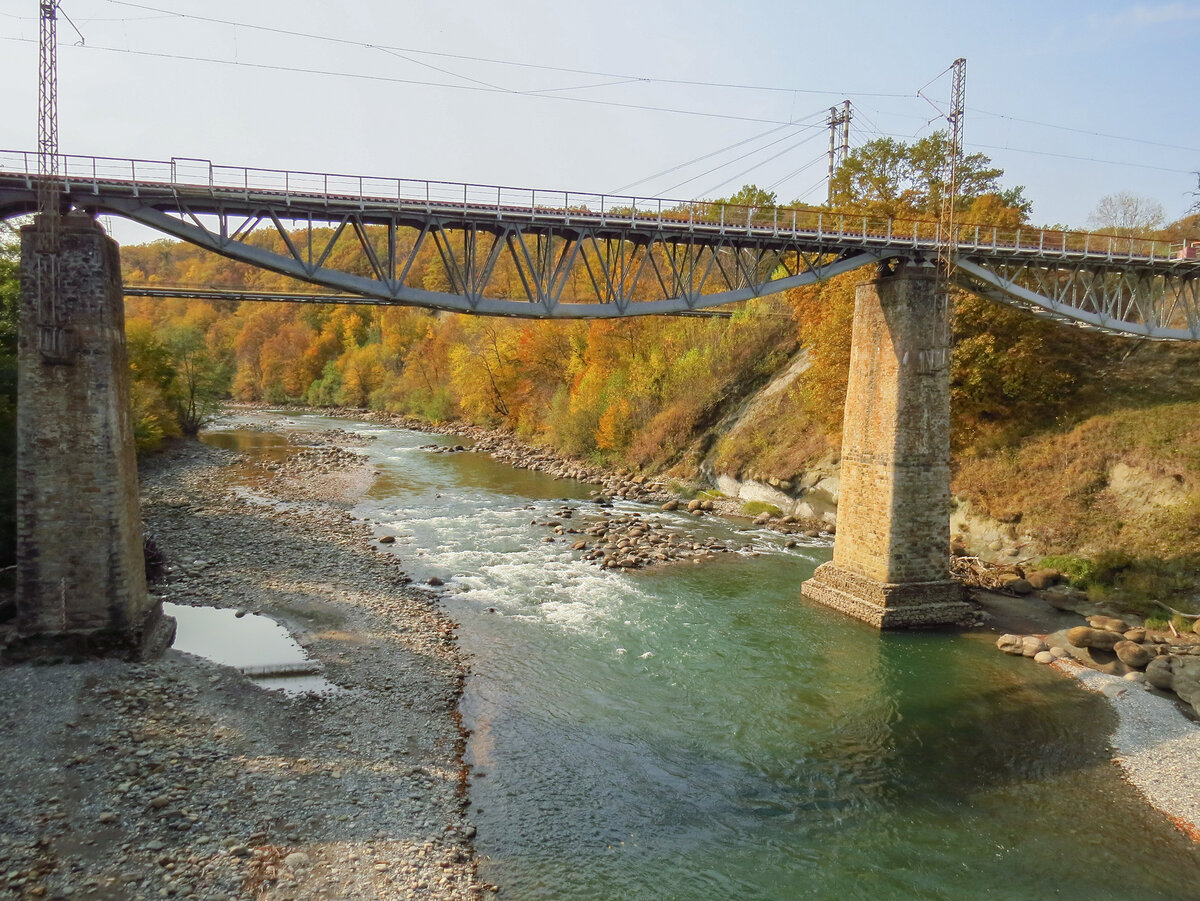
1043	578
1108	624
1088	637
1031	646
1011	644
1132	654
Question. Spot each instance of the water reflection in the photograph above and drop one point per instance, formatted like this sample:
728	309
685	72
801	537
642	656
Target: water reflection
243	642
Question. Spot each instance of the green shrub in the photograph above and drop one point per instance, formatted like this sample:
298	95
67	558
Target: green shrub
1078	570
753	508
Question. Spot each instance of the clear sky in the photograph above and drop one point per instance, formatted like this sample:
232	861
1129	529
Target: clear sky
1074	100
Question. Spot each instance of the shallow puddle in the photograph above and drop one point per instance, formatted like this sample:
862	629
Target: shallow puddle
257	645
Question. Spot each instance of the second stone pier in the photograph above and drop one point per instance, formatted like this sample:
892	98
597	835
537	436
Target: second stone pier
890	563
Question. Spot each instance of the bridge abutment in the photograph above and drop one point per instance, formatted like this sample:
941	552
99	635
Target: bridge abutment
890	563
81	582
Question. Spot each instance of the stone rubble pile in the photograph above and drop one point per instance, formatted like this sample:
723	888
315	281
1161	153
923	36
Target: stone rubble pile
632	541
1163	659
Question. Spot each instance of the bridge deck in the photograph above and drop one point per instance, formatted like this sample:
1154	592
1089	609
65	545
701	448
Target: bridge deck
632	255
215	189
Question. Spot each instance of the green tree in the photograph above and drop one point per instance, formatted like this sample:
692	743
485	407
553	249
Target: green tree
201	377
890	178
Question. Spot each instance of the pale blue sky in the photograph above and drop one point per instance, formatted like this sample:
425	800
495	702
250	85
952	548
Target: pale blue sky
1126	70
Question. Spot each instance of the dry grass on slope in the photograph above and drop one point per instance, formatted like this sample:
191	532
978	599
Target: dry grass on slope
1126	481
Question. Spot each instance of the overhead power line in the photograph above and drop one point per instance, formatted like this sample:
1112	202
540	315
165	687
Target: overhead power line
389	79
1084	131
494	61
747	171
718	152
1085	159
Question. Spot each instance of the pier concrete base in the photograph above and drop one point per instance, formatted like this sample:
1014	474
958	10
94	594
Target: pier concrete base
81	580
890	563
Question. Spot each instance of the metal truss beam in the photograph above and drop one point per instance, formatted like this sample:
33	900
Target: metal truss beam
1121	300
617	270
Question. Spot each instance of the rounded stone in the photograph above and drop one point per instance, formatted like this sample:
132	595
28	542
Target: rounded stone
1044	657
1011	644
1132	654
1031	646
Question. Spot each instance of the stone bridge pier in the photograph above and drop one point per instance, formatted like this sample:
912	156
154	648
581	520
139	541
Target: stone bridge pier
81	581
890	563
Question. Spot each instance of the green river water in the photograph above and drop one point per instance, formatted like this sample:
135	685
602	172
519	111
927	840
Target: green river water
702	732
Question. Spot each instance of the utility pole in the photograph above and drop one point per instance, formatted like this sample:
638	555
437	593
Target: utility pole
48	121
954	150
837	153
52	335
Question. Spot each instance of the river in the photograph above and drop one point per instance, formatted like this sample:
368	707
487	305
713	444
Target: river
700	731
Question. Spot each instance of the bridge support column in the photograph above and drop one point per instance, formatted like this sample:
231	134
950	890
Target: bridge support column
81	579
891	553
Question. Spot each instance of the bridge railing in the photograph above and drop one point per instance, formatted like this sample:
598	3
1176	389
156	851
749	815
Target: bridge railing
187	177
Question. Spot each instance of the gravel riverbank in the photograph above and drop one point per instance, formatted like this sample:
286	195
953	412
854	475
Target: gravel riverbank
182	779
1154	743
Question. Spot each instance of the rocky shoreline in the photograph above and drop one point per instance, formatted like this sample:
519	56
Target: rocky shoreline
182	779
611	484
1152	678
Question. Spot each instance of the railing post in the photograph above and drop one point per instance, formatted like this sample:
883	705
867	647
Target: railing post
820	218
994	231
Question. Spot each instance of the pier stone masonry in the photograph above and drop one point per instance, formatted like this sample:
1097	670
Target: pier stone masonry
890	563
81	583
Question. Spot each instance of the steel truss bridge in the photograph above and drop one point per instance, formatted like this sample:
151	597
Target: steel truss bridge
563	255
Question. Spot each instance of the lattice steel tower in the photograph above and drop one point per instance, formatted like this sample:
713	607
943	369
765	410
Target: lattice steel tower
838	152
954	150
